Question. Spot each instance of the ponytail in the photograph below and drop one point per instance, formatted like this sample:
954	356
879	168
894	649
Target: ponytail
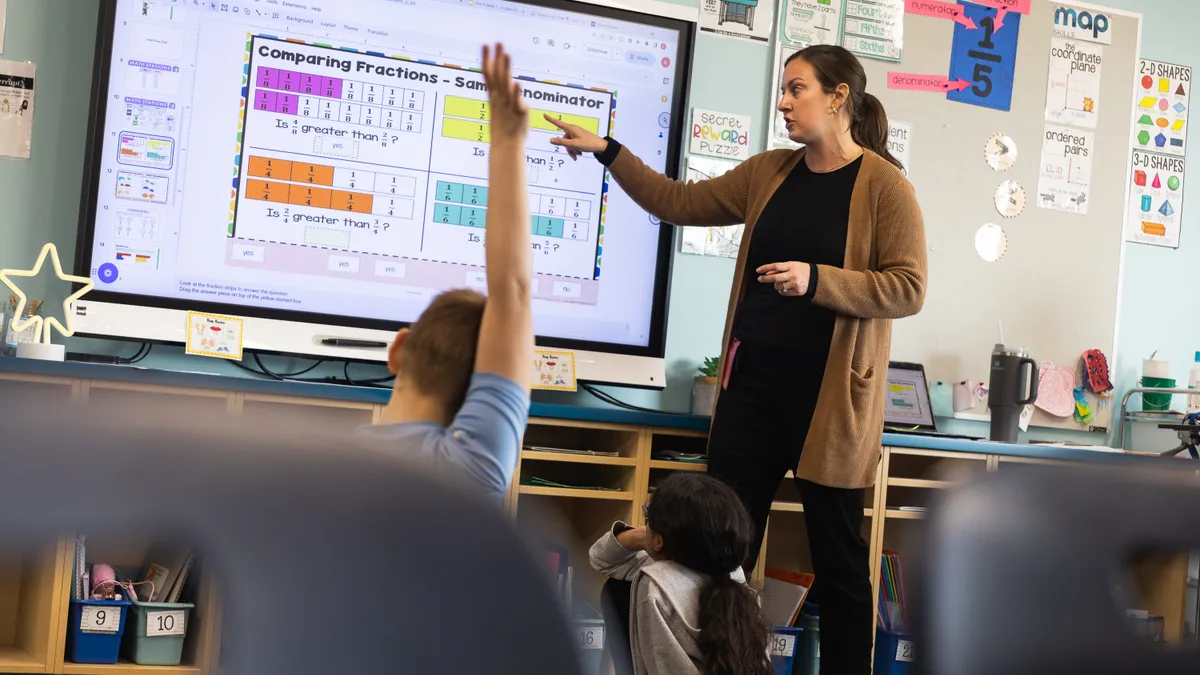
869	128
734	633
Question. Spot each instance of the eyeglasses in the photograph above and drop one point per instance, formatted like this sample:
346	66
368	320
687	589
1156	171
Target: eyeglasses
646	511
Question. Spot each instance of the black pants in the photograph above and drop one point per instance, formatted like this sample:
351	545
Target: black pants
758	433
614	605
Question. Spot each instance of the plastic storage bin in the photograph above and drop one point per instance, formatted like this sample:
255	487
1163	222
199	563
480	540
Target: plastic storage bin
590	635
894	653
95	629
808	644
783	649
156	632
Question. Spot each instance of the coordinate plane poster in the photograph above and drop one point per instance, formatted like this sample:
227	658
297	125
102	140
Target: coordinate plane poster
362	164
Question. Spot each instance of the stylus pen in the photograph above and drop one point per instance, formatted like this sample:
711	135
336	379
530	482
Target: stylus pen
361	344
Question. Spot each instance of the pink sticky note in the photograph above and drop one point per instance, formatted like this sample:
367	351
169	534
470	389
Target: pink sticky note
923	82
1018	6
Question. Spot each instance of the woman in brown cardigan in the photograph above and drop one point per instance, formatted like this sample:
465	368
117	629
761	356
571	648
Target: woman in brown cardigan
834	247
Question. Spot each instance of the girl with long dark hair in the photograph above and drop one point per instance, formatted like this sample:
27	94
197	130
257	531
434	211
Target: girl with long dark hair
691	612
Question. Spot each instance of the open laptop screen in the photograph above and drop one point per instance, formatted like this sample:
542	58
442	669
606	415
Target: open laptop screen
908	398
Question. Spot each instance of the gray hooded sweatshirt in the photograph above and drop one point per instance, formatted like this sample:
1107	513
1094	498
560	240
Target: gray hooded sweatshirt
664	606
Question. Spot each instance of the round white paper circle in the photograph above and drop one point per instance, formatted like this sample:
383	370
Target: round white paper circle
1010	199
1000	151
991	242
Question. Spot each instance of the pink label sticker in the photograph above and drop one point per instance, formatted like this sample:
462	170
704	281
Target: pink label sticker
933	8
924	82
1018	6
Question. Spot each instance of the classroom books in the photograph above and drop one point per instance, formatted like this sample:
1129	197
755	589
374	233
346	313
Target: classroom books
783	595
893	605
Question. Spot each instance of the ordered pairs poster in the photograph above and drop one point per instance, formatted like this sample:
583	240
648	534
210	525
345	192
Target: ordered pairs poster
810	22
744	19
1065	173
721	242
1163	92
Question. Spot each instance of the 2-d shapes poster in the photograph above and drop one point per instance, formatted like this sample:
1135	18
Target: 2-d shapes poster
1065	178
722	242
874	28
1155	199
746	19
985	56
1073	90
1163	94
810	22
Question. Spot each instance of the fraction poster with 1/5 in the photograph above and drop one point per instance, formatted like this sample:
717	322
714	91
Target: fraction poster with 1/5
357	165
985	57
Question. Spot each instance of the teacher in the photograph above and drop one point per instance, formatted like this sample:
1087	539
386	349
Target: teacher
833	251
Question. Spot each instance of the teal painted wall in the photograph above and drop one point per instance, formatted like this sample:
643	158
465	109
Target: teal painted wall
41	198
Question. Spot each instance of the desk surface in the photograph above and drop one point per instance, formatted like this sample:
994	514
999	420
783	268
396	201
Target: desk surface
91	371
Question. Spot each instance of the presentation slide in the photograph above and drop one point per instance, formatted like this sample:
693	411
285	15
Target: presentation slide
331	157
908	398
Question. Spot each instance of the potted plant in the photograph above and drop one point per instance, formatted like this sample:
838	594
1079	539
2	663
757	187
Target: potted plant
704	389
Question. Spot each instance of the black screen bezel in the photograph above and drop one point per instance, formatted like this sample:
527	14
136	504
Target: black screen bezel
656	345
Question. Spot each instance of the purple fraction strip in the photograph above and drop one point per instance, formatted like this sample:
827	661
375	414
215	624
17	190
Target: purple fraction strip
294	81
287	104
266	101
268	78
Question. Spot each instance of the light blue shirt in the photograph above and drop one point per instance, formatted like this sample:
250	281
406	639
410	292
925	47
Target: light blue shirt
483	441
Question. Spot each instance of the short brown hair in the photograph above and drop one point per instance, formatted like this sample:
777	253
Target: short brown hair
439	354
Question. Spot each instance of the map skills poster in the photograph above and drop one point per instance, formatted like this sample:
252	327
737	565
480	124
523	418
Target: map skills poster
810	22
744	19
1163	92
874	28
721	242
779	135
1073	89
1065	176
1155	199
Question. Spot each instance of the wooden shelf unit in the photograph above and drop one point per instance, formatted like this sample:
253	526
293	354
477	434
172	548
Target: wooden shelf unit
33	609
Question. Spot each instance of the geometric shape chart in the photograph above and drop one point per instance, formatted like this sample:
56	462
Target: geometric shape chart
1166	209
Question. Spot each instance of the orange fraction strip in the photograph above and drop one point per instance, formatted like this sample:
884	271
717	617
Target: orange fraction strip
267	191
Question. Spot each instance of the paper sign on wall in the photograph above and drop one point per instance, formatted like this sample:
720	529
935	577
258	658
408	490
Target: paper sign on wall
746	19
1163	93
720	134
874	28
721	242
1073	88
554	371
900	143
1076	23
985	56
1155	199
16	108
810	22
779	135
1065	179
214	335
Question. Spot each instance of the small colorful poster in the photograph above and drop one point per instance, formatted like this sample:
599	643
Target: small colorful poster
810	22
779	135
985	57
718	134
874	28
900	144
16	108
720	242
214	335
1065	178
1163	92
1155	199
1073	89
554	371
745	19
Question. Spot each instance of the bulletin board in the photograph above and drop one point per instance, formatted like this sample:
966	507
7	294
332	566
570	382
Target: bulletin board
1056	287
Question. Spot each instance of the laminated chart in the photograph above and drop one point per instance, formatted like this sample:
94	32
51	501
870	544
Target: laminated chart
372	159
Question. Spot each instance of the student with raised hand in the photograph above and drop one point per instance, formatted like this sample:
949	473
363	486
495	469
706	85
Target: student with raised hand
461	398
833	252
688	610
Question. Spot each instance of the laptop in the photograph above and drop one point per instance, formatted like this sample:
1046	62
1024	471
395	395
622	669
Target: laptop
908	409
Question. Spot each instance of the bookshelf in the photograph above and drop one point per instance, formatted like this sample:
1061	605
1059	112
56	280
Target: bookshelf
35	581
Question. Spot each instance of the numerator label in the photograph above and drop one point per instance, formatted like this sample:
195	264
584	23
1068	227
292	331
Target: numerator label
783	644
904	651
162	624
100	619
591	637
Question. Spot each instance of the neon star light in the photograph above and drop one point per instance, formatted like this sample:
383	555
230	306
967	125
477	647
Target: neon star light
42	325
